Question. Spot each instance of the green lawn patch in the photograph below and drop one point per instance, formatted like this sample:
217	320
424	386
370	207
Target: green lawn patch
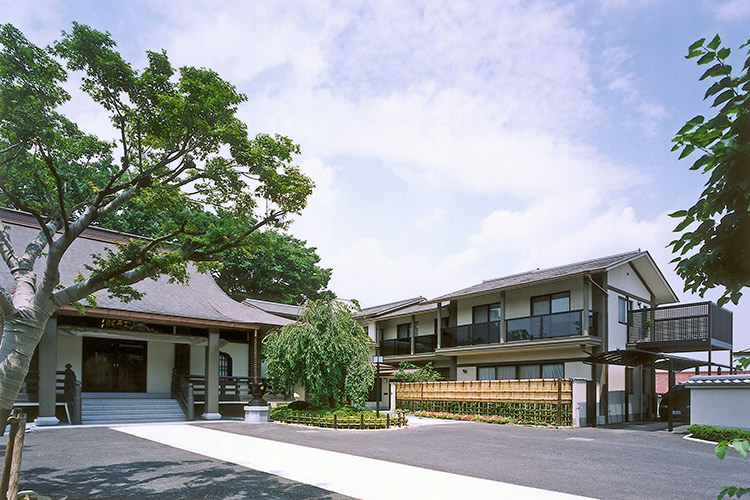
342	417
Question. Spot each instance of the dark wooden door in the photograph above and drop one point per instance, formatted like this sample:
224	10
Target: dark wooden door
113	365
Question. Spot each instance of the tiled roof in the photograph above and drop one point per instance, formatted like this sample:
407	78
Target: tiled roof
374	311
723	381
538	276
286	310
202	299
409	310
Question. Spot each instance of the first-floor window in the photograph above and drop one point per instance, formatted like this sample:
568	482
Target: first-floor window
553	370
225	365
486	373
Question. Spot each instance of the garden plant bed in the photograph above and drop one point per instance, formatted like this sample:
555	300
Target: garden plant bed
343	417
488	419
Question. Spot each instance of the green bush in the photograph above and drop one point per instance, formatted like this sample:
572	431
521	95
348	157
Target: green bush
711	433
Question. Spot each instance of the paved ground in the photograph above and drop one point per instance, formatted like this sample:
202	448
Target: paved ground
619	463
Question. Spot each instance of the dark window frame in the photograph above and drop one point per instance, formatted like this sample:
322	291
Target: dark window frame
408	331
548	298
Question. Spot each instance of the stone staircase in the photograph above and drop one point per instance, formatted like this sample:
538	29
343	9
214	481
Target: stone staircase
100	409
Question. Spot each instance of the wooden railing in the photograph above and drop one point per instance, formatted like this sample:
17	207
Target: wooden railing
231	389
536	400
183	392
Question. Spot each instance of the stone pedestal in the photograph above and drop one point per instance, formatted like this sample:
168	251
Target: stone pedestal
257	414
45	421
211	416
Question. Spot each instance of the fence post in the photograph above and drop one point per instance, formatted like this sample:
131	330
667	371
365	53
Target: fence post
335	422
12	462
361	421
559	401
387	420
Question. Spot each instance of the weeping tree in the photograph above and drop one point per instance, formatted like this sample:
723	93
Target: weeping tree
178	146
326	351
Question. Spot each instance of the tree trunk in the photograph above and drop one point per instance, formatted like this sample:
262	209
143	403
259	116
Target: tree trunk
21	334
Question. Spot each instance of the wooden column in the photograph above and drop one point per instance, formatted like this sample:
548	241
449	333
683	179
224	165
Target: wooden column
439	327
413	333
211	405
48	374
502	317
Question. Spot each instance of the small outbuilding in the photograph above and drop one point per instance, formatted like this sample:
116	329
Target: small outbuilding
720	400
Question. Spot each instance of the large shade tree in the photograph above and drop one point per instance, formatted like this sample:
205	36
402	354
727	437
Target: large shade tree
714	245
272	265
178	146
326	351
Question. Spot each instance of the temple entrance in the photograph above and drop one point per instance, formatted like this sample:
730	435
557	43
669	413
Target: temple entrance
113	365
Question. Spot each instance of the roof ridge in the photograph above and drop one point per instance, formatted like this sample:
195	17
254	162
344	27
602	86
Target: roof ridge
573	264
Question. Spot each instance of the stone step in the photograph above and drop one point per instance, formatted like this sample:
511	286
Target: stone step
130	410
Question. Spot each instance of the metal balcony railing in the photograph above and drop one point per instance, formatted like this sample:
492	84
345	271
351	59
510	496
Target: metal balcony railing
690	325
473	334
563	324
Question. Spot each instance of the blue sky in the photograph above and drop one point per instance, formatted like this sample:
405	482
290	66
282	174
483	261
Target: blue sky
450	141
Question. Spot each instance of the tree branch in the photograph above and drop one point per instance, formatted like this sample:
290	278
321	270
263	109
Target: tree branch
6	251
58	182
6	303
206	256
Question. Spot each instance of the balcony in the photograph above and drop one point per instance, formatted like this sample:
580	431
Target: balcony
701	326
545	326
474	334
402	347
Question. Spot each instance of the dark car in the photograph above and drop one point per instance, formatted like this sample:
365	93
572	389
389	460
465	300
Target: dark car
680	405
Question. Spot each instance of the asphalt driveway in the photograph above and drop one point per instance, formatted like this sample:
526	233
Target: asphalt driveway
616	463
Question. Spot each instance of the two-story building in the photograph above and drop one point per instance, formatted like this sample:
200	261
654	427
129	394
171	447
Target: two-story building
551	323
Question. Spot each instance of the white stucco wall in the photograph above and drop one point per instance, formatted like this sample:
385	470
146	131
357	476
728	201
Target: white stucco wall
721	407
159	364
240	362
466	373
197	360
518	302
70	350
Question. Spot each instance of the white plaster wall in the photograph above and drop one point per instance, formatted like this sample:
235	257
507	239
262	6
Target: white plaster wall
624	278
465	306
617	333
518	302
721	407
197	360
239	353
577	369
70	350
513	356
159	364
470	373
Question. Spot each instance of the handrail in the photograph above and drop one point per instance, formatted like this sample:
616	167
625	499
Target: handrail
184	393
72	393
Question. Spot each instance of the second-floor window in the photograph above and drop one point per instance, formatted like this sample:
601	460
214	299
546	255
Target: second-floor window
623	306
486	313
403	331
550	304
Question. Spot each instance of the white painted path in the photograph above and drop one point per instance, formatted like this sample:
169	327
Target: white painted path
338	472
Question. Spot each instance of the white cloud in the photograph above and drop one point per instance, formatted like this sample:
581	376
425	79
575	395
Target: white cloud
732	11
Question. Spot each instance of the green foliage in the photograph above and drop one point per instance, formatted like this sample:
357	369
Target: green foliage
180	150
409	372
714	247
346	417
270	265
326	351
711	433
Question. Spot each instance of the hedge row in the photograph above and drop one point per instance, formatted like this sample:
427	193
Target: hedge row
711	433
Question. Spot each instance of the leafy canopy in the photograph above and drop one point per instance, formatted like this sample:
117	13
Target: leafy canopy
714	247
271	265
178	148
409	372
326	351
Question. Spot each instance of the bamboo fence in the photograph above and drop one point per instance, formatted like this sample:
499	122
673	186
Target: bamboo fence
534	400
